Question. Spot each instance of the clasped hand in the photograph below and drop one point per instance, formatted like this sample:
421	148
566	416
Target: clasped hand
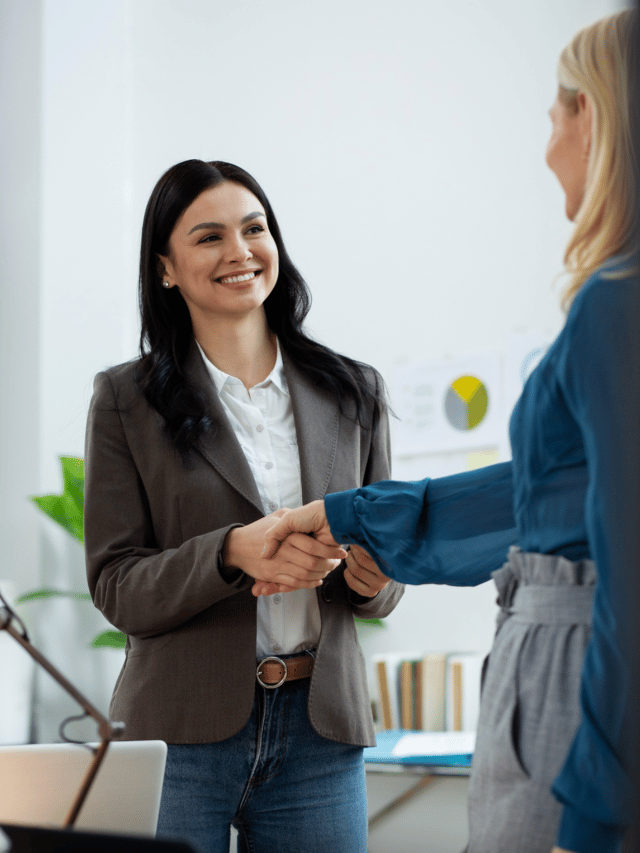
301	562
361	572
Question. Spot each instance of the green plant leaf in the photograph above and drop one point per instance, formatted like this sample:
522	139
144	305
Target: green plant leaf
45	592
109	640
67	508
374	623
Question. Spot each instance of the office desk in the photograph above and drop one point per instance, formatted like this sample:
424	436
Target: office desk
426	768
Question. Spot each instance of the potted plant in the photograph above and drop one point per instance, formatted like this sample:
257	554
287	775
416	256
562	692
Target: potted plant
67	509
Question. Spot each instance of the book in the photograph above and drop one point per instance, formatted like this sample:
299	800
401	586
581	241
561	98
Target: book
407	693
433	681
425	744
395	684
384	704
427	749
462	701
411	693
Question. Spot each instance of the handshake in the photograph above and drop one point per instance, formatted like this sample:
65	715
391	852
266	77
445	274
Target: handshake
280	556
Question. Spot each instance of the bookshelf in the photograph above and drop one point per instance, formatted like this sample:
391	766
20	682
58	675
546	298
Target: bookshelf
426	690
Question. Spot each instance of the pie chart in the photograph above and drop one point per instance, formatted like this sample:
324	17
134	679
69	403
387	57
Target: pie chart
466	402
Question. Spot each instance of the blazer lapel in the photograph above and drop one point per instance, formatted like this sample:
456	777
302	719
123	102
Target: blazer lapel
317	418
219	445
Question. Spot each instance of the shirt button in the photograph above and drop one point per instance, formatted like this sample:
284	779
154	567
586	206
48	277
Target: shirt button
277	599
277	648
268	465
273	506
259	428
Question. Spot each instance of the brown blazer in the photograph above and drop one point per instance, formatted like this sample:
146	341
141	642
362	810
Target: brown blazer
153	533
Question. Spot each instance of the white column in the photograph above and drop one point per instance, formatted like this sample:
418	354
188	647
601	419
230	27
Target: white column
20	178
87	297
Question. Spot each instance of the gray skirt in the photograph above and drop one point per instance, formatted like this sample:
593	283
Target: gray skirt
530	701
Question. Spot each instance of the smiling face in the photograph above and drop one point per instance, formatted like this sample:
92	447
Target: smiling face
222	257
568	149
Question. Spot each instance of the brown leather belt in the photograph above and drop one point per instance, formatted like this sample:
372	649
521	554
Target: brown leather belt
272	671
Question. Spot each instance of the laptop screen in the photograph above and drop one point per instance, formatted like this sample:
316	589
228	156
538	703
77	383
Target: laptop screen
34	839
40	782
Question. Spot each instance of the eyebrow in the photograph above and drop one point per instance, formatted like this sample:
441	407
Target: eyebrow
202	226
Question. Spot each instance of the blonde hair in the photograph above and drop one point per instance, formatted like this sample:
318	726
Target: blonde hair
598	62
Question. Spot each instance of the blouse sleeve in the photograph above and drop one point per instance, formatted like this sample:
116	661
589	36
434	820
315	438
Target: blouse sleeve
377	468
600	375
453	530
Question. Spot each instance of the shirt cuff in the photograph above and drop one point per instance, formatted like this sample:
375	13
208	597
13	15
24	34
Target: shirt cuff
229	574
341	515
581	834
356	598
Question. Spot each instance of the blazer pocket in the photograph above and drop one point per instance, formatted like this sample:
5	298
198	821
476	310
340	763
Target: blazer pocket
141	647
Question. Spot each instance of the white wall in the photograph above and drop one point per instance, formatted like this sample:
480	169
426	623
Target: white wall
400	144
20	205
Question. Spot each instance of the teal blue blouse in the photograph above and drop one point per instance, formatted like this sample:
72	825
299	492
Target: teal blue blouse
573	489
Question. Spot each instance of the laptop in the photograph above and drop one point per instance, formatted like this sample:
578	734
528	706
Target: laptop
37	839
40	782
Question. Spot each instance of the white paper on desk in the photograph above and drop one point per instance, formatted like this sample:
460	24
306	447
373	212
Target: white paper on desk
436	743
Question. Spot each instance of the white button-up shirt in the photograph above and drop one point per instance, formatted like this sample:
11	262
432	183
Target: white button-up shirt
262	419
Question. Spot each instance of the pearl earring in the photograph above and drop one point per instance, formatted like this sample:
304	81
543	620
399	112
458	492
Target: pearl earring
166	284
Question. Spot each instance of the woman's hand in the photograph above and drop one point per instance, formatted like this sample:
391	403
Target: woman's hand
263	588
362	573
292	523
300	562
310	518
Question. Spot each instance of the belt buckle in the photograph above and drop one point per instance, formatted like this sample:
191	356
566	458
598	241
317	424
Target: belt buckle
258	673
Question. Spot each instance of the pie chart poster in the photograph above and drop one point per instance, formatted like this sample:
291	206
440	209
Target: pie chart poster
449	405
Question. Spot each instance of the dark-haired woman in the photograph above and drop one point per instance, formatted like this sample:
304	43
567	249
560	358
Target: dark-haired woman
230	414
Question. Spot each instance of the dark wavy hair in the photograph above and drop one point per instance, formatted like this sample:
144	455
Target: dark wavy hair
167	332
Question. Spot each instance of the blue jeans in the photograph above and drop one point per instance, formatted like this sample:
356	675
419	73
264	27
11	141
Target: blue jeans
284	788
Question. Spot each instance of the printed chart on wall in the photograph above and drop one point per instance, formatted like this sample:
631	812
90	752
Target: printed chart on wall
445	406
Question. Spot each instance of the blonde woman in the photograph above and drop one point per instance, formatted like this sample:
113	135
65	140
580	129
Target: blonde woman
549	766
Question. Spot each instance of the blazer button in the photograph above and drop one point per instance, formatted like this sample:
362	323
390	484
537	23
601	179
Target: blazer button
327	591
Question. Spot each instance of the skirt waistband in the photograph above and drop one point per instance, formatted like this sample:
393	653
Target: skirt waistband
545	589
568	605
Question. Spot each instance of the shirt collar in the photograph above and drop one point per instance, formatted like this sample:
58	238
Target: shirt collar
276	377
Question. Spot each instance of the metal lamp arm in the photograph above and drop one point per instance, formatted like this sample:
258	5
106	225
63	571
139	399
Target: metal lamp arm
106	729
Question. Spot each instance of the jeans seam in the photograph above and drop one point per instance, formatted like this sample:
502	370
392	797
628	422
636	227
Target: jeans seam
243	830
282	743
259	737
